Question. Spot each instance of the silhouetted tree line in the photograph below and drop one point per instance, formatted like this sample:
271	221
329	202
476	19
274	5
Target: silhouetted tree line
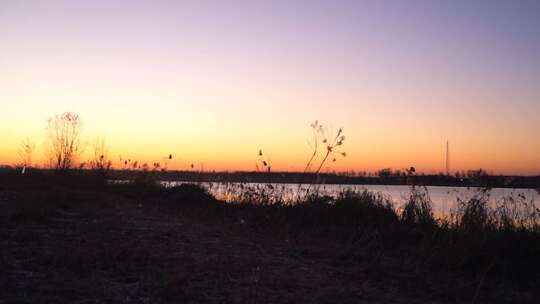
471	180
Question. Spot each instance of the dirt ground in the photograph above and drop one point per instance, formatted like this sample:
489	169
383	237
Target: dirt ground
129	251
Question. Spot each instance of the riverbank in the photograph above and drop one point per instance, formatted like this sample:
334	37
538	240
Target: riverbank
140	243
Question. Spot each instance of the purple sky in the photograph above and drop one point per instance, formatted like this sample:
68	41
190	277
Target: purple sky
401	76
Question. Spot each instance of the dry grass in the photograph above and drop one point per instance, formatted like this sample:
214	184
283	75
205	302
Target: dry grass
140	242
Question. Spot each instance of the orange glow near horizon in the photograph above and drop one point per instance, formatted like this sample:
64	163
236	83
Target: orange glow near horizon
216	144
213	88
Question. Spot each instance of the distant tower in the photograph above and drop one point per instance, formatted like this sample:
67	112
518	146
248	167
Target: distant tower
447	158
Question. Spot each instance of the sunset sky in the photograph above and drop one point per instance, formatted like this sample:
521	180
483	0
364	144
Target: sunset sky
212	82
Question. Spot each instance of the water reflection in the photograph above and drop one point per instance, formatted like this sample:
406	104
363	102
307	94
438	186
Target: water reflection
444	198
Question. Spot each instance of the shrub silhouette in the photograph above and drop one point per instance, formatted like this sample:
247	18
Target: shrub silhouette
418	210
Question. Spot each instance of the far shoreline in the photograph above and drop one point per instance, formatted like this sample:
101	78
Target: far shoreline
473	179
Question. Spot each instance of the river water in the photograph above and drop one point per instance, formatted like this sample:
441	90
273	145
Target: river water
444	198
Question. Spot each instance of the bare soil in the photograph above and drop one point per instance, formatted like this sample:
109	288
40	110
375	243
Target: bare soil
126	250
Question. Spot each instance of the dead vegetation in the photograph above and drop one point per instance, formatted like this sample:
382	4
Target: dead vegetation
64	241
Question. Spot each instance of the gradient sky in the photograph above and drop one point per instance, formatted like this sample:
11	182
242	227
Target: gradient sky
212	82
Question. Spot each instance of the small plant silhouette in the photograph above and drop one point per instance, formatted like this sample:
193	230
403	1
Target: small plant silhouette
166	160
265	163
333	149
318	131
26	149
100	160
333	146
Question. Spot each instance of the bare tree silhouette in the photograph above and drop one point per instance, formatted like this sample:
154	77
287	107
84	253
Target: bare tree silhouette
63	140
